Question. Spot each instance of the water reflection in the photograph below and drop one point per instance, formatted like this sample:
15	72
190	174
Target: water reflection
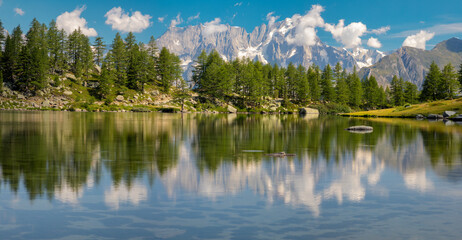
63	156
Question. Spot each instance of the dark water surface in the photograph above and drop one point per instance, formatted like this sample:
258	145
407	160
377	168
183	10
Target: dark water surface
171	176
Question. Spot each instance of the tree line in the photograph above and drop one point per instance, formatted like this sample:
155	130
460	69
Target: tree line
30	62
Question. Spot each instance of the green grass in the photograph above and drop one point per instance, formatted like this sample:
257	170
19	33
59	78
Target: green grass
437	107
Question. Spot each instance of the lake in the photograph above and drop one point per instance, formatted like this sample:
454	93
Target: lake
196	176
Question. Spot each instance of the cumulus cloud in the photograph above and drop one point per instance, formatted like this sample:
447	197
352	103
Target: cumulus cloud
70	21
305	32
161	19
194	17
271	19
381	30
374	42
176	21
121	21
238	4
418	40
19	11
214	27
350	35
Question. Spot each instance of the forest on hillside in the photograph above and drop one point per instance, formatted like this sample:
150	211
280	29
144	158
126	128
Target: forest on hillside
43	57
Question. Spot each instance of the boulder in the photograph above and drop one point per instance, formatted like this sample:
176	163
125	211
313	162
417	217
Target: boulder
71	76
67	93
419	116
457	118
46	103
120	98
447	114
231	109
435	116
20	96
304	111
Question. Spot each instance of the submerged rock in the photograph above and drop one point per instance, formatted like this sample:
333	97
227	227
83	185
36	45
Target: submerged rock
360	129
280	154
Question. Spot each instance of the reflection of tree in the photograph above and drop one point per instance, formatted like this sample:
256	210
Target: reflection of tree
52	153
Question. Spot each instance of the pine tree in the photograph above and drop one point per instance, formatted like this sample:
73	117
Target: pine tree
291	79
199	70
371	92
34	58
449	85
138	68
119	60
106	78
99	47
460	76
431	84
341	88
303	87
153	54
397	91
328	91
410	93
55	40
11	57
314	79
169	69
356	91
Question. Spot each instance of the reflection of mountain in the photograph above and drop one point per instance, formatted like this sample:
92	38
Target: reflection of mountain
62	155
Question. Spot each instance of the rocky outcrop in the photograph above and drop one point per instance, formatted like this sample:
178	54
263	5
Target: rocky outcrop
304	111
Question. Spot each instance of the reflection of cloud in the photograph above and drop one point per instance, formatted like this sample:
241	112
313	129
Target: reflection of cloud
294	182
67	194
417	180
122	194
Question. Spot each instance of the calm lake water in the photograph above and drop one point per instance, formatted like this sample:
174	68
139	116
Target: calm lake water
194	176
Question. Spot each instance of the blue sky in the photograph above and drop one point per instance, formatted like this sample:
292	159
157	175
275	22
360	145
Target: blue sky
438	20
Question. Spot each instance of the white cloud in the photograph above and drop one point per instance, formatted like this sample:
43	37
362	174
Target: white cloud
374	42
214	27
305	32
271	19
70	21
238	4
348	35
19	11
121	21
194	17
418	40
381	30
176	21
161	19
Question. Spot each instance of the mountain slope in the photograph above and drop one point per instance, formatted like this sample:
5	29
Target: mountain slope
412	64
266	43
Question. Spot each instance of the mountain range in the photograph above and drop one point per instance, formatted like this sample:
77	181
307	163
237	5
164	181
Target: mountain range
274	43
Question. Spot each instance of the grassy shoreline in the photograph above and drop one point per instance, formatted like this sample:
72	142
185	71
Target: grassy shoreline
411	111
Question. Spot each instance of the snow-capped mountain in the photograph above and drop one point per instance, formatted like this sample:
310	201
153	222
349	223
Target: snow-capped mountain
276	42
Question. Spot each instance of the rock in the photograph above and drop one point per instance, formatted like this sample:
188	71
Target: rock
304	111
71	76
20	96
78	110
457	118
67	93
435	116
97	68
447	114
360	129
46	103
120	98
419	116
231	109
